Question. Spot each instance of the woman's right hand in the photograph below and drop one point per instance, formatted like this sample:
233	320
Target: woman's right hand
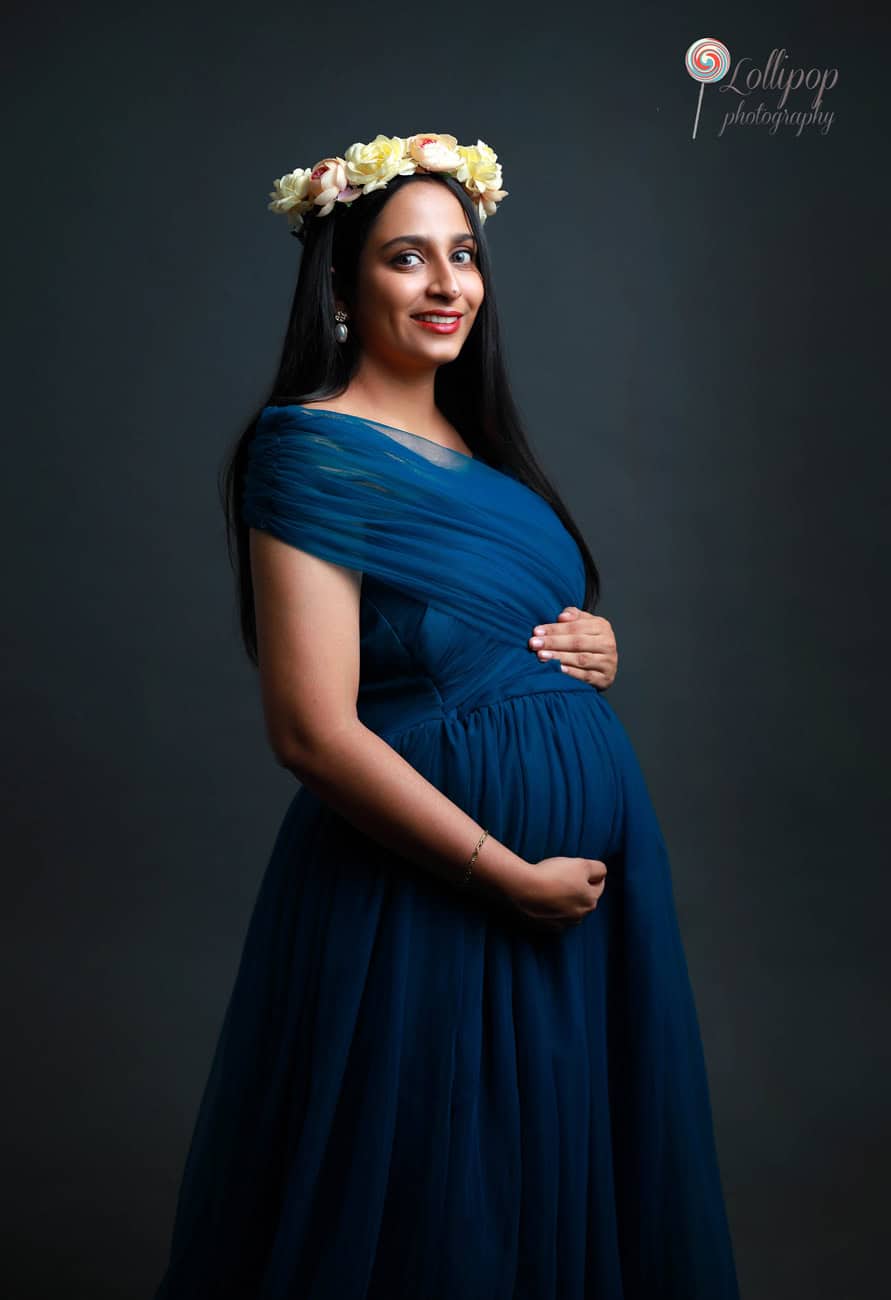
559	892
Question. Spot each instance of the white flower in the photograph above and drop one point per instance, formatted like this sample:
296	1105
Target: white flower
435	153
290	190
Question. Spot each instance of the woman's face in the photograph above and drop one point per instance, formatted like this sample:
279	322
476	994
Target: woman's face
420	256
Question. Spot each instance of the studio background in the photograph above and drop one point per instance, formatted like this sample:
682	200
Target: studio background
693	332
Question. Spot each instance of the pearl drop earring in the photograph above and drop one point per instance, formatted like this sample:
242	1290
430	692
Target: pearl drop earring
340	330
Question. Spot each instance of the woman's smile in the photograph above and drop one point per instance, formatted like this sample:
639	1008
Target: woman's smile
441	323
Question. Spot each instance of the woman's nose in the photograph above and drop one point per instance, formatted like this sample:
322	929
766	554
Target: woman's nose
446	281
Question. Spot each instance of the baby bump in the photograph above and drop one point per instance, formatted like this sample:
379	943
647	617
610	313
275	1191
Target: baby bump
536	769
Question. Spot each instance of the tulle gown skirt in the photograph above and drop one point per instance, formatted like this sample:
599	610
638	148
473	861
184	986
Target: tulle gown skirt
415	1095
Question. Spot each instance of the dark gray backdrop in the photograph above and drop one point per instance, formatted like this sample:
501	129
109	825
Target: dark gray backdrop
696	340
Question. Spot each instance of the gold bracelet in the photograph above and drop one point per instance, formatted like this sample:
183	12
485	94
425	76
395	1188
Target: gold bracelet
473	858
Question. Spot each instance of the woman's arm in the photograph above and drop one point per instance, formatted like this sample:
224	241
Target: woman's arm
307	612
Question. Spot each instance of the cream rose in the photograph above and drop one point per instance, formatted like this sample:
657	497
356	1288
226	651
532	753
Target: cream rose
290	190
480	169
435	153
480	172
487	202
374	165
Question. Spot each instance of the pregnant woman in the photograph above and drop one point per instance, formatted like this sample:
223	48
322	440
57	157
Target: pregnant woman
461	1060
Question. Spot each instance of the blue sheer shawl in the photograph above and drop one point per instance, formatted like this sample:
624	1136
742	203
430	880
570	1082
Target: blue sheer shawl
439	525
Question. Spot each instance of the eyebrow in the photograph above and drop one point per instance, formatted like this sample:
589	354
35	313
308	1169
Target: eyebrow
423	241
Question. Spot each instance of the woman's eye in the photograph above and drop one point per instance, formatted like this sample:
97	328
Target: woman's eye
397	259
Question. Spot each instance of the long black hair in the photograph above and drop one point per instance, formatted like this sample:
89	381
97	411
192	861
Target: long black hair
472	391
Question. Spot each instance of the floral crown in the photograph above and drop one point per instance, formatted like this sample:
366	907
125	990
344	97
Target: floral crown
367	167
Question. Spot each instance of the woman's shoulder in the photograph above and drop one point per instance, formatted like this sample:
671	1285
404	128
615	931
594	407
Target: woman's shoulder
329	404
285	415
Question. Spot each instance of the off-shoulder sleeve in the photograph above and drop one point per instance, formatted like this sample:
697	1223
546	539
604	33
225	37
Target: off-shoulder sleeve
309	490
430	521
340	490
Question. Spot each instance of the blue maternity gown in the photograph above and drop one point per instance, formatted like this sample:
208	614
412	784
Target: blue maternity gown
414	1095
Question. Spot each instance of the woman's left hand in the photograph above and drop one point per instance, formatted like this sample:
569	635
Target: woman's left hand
584	643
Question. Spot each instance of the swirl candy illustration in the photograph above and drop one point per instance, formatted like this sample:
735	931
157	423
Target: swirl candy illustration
706	60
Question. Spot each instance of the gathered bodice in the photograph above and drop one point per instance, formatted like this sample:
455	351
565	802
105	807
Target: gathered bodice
418	663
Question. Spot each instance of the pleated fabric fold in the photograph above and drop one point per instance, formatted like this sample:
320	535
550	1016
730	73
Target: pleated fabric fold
434	523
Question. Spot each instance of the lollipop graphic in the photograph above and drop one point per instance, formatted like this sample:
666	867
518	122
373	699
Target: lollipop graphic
706	60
